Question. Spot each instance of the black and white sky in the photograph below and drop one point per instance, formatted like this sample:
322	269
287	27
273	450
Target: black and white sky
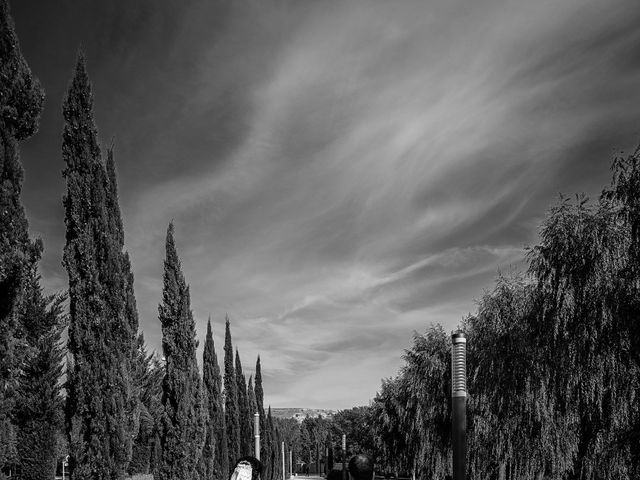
340	173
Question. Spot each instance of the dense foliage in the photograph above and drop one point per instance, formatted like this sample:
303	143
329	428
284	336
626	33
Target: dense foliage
102	400
20	105
183	396
554	377
231	419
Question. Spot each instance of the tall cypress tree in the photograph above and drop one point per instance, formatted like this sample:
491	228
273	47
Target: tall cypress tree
253	408
183	422
39	415
20	105
123	299
272	448
100	400
230	398
243	409
264	440
251	401
212	454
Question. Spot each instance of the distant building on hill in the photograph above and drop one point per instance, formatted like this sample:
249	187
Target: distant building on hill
301	413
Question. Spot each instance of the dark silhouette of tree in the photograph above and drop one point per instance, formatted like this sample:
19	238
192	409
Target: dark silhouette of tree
101	400
148	375
586	269
231	398
183	398
39	414
243	409
253	409
20	105
271	444
212	454
259	392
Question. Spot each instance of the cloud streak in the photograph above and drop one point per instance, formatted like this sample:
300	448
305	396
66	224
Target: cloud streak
342	174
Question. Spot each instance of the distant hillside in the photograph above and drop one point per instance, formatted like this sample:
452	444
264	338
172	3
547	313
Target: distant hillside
301	413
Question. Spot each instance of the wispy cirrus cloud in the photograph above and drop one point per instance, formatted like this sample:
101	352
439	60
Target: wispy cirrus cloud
342	174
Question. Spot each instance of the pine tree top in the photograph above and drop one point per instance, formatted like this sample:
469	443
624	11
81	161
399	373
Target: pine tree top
21	95
175	310
80	135
238	364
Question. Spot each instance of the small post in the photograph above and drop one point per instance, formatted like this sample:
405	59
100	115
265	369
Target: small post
459	403
344	456
283	466
256	435
290	462
65	462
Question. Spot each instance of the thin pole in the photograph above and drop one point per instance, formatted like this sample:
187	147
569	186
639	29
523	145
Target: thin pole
283	467
344	456
290	462
459	403
256	436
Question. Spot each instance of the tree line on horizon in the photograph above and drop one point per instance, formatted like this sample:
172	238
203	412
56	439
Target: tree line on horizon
120	411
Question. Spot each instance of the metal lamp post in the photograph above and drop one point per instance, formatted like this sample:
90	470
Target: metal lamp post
459	403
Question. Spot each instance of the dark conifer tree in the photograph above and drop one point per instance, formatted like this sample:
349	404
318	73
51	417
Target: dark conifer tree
260	404
230	398
244	416
224	450
183	399
253	409
148	375
20	105
101	401
272	452
253	406
39	415
124	301
212	453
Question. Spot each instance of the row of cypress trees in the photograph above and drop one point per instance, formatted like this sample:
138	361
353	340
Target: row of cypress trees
125	411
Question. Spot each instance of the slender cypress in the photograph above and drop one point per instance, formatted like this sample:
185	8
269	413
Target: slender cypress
124	300
243	409
183	421
230	398
272	448
264	440
253	406
212	453
20	105
100	400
